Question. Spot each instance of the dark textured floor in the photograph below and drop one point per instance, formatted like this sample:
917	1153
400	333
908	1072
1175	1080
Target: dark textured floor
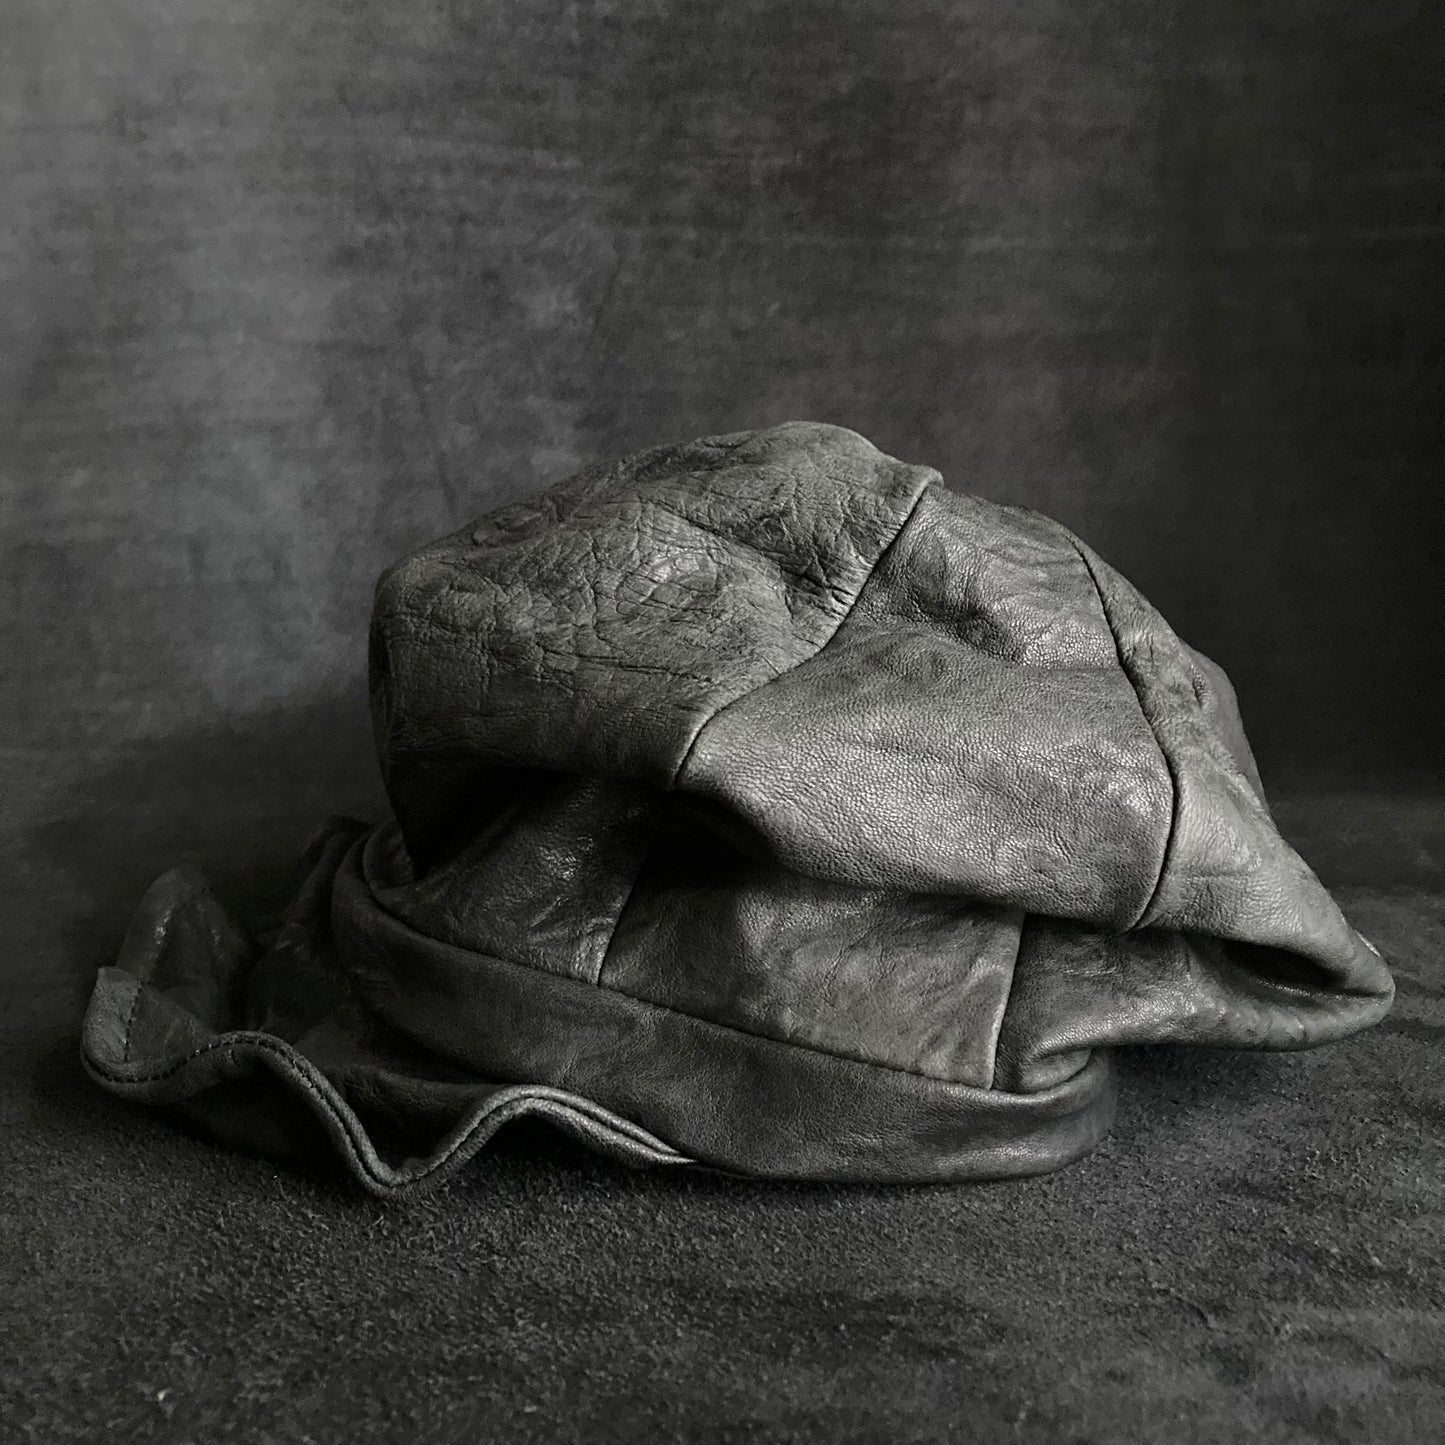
1253	1254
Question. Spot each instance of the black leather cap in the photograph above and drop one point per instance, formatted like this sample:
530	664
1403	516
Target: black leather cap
762	804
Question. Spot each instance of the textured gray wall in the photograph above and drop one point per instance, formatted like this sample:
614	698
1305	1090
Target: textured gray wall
293	285
288	286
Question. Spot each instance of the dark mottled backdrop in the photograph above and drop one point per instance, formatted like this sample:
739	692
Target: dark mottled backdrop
298	284
290	286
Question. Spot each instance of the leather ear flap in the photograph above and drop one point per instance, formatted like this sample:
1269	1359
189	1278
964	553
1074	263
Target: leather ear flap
259	1043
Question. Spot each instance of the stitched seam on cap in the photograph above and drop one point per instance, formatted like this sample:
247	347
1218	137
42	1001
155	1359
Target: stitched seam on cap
1169	765
1013	977
662	816
877	562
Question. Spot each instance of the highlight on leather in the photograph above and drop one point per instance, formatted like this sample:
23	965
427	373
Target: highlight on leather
761	804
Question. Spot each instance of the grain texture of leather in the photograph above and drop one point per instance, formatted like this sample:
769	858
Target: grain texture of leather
762	804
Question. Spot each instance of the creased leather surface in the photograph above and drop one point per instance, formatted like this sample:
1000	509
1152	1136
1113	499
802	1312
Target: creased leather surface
762	804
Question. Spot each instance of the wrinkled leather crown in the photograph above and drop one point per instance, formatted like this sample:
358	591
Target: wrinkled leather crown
759	803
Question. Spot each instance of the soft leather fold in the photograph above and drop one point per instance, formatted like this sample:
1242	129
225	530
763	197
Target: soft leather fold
760	804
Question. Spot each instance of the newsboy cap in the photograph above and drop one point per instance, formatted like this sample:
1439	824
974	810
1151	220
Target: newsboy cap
759	803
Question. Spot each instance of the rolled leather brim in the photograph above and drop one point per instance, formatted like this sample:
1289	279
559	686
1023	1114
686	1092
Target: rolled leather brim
277	1044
